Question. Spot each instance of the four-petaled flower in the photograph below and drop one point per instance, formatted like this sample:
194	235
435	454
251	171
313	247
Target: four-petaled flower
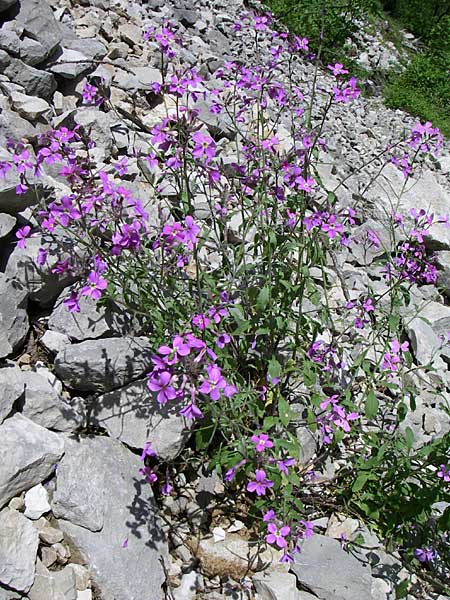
260	484
262	442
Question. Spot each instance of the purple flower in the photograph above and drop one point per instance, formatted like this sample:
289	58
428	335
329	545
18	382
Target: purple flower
260	484
160	382
121	167
262	442
277	536
284	464
96	286
425	554
191	411
444	473
205	147
148	474
214	384
147	451
22	234
72	302
269	516
337	69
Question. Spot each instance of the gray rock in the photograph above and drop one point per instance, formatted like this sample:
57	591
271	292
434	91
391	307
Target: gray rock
35	18
98	125
18	549
386	196
10	202
91	48
34	81
31	51
28	455
275	585
42	285
103	365
53	585
9	41
54	341
98	487
29	107
13	315
93	321
329	572
133	415
12	387
43	405
70	64
7	224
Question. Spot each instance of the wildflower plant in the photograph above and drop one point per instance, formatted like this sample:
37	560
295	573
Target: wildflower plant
229	267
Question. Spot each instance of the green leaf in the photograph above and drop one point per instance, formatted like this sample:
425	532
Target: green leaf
263	298
284	411
371	406
409	437
204	435
274	368
401	590
360	481
309	375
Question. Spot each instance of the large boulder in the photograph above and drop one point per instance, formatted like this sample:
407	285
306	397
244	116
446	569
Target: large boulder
133	415
325	569
28	455
103	365
101	503
92	322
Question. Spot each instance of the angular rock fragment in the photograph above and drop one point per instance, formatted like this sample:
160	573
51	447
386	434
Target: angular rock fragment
93	321
36	19
329	572
13	315
105	364
43	405
28	455
98	486
133	415
18	549
12	387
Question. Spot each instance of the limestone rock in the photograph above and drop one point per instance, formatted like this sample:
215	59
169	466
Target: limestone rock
329	572
13	316
98	488
12	387
36	19
93	321
18	549
28	455
36	502
133	415
7	223
273	585
43	405
103	364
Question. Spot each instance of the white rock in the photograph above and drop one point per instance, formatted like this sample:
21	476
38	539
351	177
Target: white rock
273	585
190	585
18	549
54	341
84	595
36	502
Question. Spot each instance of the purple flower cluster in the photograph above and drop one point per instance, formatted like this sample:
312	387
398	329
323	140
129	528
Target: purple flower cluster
335	417
286	537
184	370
